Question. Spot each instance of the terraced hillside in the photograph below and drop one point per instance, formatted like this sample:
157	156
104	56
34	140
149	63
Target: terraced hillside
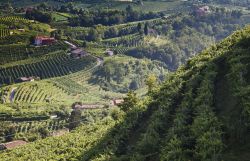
33	92
17	52
50	65
19	21
200	113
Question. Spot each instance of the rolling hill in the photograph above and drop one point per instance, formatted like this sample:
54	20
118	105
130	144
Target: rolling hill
201	112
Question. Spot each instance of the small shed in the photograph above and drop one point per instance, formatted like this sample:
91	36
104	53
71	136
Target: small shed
109	52
13	144
78	53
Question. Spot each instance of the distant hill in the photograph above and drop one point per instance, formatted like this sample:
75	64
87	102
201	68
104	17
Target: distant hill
200	113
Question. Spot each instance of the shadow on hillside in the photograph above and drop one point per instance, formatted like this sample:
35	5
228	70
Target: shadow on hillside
236	135
243	43
115	141
120	142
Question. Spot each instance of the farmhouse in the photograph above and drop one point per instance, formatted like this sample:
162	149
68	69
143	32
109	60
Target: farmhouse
13	144
44	40
78	53
116	102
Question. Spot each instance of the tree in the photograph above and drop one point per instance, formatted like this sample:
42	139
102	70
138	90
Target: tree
146	29
149	142
75	119
133	85
93	35
43	132
173	150
139	27
10	133
151	82
209	146
129	9
57	34
236	14
129	102
38	15
8	7
43	6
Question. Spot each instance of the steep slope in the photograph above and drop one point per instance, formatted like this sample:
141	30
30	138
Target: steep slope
200	113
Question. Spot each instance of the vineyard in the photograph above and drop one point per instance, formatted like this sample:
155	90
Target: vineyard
4	33
125	80
200	113
53	66
9	20
51	125
12	53
69	86
77	84
25	128
125	41
17	22
33	92
191	113
86	137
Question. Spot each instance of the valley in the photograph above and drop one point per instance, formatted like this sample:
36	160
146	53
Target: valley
124	80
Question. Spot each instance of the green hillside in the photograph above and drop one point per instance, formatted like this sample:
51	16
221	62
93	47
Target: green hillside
125	80
201	112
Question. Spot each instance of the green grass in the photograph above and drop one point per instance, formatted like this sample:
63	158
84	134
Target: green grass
59	17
